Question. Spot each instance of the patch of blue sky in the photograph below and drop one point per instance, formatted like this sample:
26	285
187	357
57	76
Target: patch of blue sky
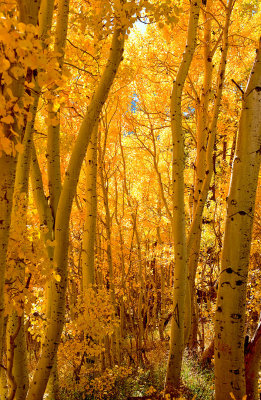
140	26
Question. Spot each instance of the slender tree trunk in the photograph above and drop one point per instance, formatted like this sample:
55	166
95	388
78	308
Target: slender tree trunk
7	180
140	330
17	234
108	231
121	328
3	375
231	301
207	355
16	344
7	168
89	233
179	232
17	356
206	134
53	167
140	333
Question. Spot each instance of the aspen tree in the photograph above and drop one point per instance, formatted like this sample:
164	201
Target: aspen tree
53	164
28	13
17	371
16	346
202	136
140	333
231	301
56	319
206	136
3	375
108	219
17	354
120	329
179	232
111	343
19	357
89	233
89	230
162	195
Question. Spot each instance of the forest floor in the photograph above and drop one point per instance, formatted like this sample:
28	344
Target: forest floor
148	382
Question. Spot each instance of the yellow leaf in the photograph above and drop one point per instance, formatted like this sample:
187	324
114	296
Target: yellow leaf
7	78
56	106
10	94
57	277
21	27
66	73
6	145
48	121
26	45
19	147
41	78
8	119
17	71
5	65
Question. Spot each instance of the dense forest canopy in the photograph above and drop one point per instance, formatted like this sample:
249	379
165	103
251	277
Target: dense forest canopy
130	221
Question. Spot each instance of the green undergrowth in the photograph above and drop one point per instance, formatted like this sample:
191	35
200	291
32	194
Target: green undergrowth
143	382
197	383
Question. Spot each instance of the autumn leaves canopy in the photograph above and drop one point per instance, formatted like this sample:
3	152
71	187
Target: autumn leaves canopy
116	147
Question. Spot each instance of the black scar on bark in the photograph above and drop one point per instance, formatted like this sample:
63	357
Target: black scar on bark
236	316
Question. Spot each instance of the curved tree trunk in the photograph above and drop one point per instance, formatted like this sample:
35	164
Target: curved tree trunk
56	319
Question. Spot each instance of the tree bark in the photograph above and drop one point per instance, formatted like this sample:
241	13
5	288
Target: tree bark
13	176
206	136
89	233
179	232
252	364
231	301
